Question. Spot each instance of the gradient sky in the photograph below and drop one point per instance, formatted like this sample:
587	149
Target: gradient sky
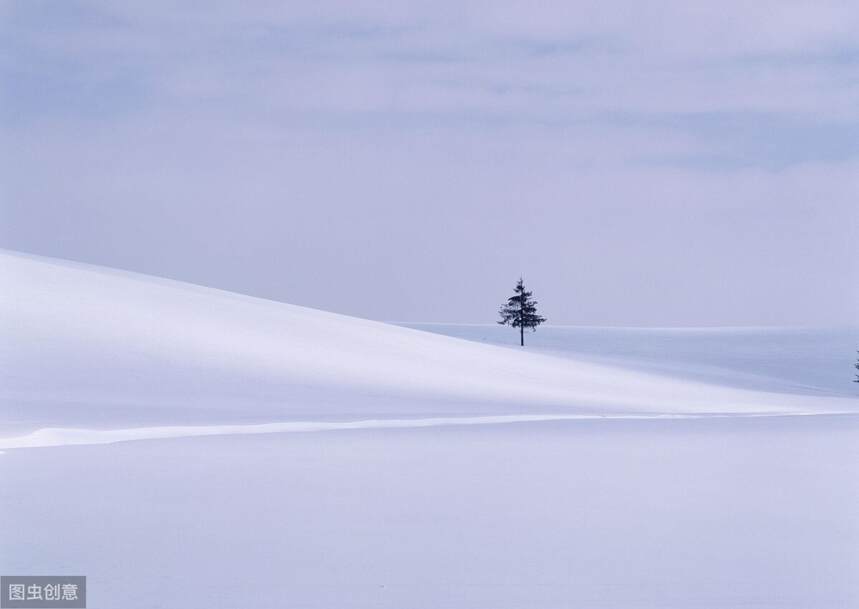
641	163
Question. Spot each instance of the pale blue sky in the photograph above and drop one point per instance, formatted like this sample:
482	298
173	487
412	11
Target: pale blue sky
643	164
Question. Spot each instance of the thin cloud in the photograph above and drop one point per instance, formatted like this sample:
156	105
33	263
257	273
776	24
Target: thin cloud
209	144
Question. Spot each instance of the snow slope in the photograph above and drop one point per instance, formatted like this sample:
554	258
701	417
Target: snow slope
86	346
811	361
657	491
728	513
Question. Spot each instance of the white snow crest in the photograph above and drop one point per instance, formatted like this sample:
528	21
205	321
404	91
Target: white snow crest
49	437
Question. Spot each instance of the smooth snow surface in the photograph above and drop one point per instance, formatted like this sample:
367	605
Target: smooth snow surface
84	346
726	513
76	437
618	469
810	361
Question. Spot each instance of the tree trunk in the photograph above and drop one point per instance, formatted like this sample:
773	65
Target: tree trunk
521	336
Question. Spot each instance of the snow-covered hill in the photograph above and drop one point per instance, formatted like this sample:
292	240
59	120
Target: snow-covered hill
666	507
95	347
811	361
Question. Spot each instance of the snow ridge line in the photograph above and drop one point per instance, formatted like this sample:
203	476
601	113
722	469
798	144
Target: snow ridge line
62	436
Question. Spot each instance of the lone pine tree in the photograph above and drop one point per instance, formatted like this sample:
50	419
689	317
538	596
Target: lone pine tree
521	312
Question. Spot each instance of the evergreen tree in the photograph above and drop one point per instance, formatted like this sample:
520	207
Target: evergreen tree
521	312
856	365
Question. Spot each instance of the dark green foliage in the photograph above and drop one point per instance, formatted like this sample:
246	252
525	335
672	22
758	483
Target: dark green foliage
521	312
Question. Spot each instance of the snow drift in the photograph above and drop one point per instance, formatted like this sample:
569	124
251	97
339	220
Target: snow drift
89	346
